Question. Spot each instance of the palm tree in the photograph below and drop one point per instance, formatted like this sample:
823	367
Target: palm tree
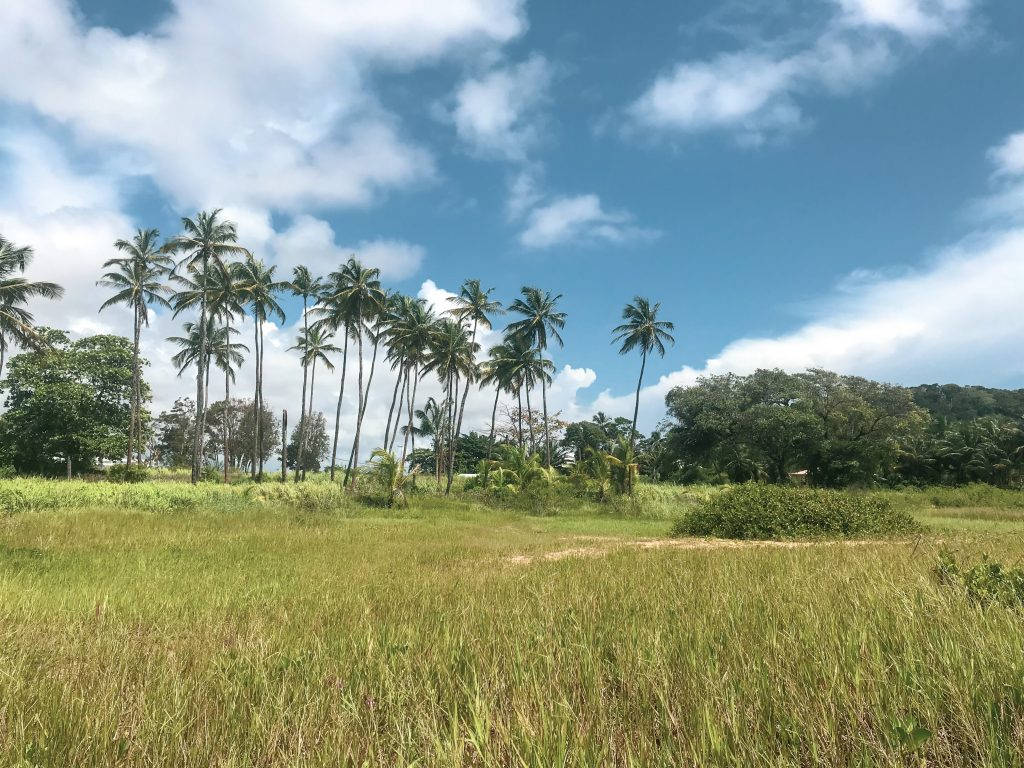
225	298
217	345
256	281
431	424
452	358
642	329
15	320
205	240
308	287
314	344
376	329
501	371
473	305
137	280
540	322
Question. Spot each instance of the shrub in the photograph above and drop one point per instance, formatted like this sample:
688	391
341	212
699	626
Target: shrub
12	501
7	472
984	583
779	512
122	473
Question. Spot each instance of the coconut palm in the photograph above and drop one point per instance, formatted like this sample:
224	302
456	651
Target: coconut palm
376	326
206	240
501	371
431	423
473	306
642	329
314	345
453	359
16	322
137	279
308	287
260	289
541	323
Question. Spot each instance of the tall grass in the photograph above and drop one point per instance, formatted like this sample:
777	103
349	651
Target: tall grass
275	638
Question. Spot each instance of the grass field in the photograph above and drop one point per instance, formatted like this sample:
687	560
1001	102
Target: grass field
275	632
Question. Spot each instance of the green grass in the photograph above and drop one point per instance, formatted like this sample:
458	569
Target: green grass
260	632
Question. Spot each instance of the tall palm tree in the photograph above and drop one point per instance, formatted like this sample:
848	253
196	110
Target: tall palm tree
308	287
541	322
16	321
642	329
314	344
501	370
473	306
453	359
225	298
216	345
260	289
413	332
366	300
431	424
376	330
138	281
206	240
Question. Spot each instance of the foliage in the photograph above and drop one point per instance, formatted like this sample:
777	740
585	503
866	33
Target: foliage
126	473
754	511
387	474
986	582
318	443
174	434
68	403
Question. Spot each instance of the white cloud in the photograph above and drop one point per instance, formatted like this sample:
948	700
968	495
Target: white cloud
579	218
244	103
914	18
1008	157
311	241
496	114
756	92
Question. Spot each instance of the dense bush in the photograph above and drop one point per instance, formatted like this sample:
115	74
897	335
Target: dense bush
779	512
122	473
985	583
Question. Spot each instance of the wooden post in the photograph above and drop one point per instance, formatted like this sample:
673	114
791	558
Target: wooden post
284	446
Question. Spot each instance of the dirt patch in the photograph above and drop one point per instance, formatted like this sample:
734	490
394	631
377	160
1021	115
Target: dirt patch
646	544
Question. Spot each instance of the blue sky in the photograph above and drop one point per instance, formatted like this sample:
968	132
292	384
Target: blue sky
833	183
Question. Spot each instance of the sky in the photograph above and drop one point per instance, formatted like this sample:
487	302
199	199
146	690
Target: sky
832	183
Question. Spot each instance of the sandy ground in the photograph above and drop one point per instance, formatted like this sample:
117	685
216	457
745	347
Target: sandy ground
606	545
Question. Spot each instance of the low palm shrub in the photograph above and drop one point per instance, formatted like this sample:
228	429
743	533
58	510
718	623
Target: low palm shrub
779	512
985	582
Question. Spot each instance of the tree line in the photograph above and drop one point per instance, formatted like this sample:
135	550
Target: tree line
205	274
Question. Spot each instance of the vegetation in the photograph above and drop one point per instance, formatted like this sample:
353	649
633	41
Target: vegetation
772	512
263	631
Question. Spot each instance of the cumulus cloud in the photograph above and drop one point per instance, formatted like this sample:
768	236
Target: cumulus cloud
244	102
496	114
581	219
311	241
757	92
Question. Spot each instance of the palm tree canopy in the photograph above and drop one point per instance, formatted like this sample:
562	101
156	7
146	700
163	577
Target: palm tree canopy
541	319
225	353
474	305
315	346
258	286
642	329
206	238
137	277
452	352
15	291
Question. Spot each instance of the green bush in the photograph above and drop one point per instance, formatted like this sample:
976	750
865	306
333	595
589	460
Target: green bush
7	472
984	583
12	501
780	512
122	473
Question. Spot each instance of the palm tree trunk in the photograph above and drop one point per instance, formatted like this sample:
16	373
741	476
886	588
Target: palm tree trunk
391	410
411	393
636	403
197	447
490	439
306	416
403	374
226	416
3	353
255	395
547	438
519	414
302	410
133	417
354	457
259	386
366	400
529	421
341	394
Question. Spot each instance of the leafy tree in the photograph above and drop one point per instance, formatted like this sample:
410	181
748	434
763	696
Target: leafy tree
269	435
69	403
309	443
175	434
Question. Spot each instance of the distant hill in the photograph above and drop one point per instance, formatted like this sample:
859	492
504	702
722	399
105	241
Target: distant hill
956	403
